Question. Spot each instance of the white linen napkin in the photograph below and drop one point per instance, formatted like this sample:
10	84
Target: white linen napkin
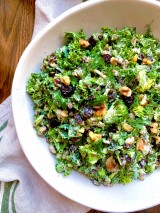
21	188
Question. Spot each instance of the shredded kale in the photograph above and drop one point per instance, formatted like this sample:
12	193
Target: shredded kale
97	103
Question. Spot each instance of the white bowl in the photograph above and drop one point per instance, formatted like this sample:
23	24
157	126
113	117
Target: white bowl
90	16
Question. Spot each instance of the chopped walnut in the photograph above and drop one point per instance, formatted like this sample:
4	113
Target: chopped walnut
100	110
84	43
78	72
52	149
65	80
94	136
154	128
127	127
106	47
157	139
135	58
129	141
41	131
62	114
126	91
143	99
125	64
113	61
111	165
147	61
133	41
82	130
140	144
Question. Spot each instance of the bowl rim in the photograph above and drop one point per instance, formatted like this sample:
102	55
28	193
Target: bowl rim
53	23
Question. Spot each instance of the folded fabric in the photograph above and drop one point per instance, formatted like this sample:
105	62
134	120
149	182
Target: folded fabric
21	188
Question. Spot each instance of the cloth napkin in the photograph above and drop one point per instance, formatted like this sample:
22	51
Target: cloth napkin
21	188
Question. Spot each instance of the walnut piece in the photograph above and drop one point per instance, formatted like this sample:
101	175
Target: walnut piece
65	80
147	61
154	128
100	110
84	43
94	137
111	165
140	144
126	91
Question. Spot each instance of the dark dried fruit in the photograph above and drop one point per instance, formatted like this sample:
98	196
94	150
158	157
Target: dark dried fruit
52	60
54	122
127	158
100	37
128	100
87	112
111	95
90	97
142	163
148	128
119	80
66	91
78	119
71	113
107	57
92	41
73	148
127	146
140	58
136	82
112	128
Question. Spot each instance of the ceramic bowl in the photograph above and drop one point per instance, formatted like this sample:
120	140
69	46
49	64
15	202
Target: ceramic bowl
90	16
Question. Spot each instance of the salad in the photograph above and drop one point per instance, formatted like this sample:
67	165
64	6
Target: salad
97	103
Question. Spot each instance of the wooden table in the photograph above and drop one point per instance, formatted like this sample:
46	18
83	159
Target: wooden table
16	27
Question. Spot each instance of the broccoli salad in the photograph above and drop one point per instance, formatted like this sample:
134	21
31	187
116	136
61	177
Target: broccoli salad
97	103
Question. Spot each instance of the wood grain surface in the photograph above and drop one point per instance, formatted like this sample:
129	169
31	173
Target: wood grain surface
16	27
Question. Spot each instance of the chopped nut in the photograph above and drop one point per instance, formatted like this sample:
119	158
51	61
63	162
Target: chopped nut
106	47
52	149
126	91
125	64
62	114
41	131
82	130
127	127
100	110
129	141
78	72
147	61
157	139
94	136
86	59
115	72
113	61
111	165
52	65
65	80
133	41
84	43
154	128
132	115
140	145
135	58
143	99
